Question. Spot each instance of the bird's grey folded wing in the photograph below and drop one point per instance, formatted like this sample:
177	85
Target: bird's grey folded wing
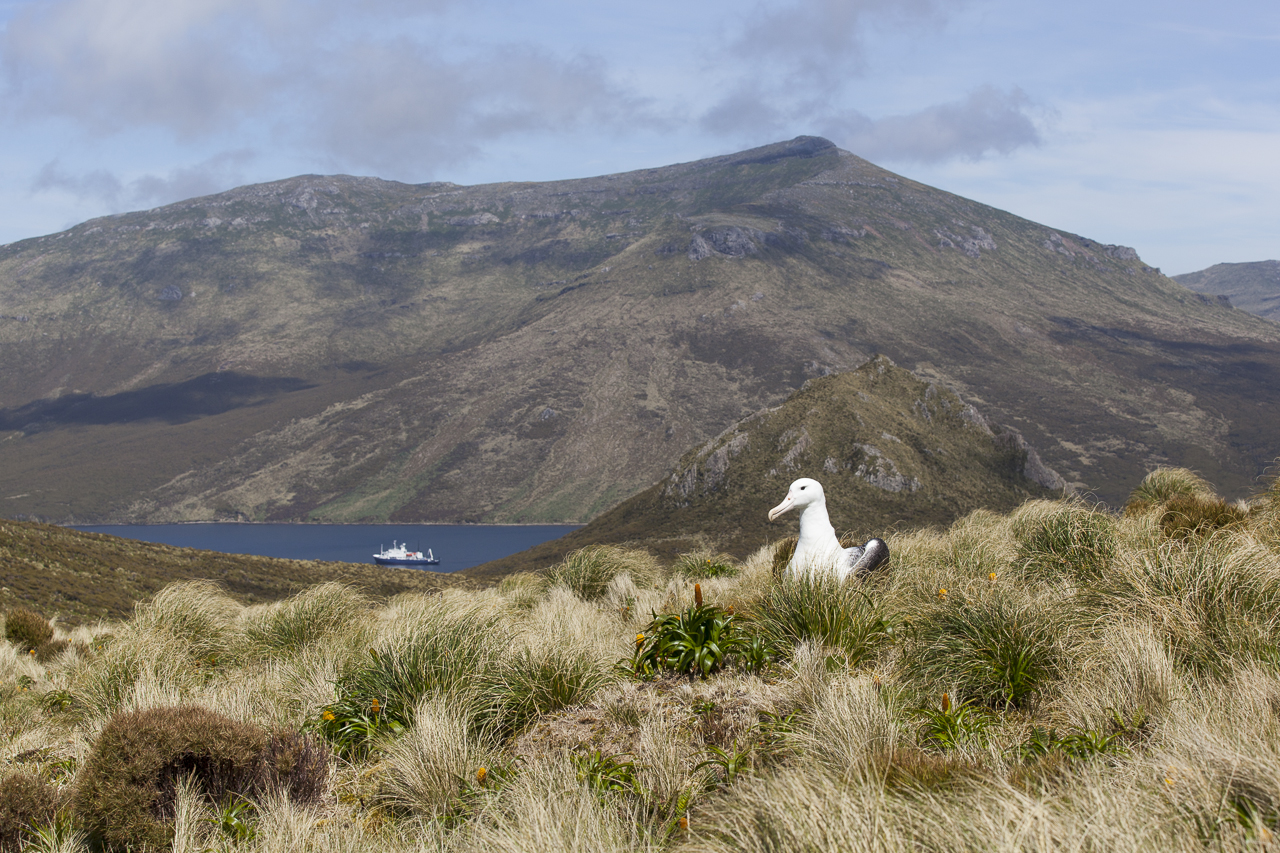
873	555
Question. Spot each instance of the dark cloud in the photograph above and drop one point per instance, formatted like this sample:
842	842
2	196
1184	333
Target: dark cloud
216	174
988	120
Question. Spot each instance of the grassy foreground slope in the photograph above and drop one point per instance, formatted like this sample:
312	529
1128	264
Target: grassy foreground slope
1052	678
88	576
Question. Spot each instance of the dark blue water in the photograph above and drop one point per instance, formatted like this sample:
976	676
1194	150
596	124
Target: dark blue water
456	546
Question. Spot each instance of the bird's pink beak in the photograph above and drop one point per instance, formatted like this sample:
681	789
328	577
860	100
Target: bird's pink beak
781	508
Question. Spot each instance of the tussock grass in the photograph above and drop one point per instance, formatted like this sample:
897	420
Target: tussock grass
1055	678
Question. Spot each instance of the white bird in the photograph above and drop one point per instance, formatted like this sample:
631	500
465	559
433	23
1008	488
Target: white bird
818	548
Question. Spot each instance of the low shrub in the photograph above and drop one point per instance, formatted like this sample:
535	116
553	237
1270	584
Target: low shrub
27	629
127	791
47	651
26	802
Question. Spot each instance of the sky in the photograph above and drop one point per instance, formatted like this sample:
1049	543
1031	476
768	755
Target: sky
1149	124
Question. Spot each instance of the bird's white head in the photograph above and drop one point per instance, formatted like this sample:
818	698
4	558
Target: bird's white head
802	493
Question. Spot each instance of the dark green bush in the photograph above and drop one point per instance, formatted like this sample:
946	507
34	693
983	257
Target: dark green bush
126	793
27	629
25	802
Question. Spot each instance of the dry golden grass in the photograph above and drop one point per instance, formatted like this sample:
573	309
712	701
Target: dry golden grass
1150	721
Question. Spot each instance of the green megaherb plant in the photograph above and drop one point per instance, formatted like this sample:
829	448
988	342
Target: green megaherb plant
725	764
952	725
354	726
606	774
234	819
697	640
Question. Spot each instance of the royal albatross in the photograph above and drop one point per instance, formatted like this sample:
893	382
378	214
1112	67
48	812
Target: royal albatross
818	549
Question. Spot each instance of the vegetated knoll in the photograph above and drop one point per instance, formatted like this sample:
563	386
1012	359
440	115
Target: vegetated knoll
1252	287
893	452
83	576
347	349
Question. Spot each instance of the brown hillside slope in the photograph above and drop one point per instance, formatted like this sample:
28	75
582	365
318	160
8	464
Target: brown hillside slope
891	451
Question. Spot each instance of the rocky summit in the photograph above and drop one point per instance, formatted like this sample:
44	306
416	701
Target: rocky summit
344	349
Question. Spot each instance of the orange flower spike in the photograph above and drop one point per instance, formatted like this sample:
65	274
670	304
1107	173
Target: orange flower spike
684	823
697	594
992	577
942	593
377	706
639	640
481	775
328	716
946	703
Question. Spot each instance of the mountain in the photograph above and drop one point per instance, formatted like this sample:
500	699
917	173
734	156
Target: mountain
1253	287
346	349
891	451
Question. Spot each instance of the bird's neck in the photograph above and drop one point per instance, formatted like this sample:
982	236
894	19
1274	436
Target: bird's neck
815	526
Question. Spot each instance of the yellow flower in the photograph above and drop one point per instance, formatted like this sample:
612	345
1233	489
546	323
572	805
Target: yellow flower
639	640
942	593
376	706
684	823
327	715
481	774
992	577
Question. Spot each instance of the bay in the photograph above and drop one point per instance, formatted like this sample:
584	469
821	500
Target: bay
457	546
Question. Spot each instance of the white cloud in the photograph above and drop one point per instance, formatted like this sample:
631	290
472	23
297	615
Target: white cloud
216	174
986	121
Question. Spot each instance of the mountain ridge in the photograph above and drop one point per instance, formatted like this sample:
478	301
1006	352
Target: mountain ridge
352	349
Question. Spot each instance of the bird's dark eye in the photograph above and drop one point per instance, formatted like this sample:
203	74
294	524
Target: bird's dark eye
802	488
